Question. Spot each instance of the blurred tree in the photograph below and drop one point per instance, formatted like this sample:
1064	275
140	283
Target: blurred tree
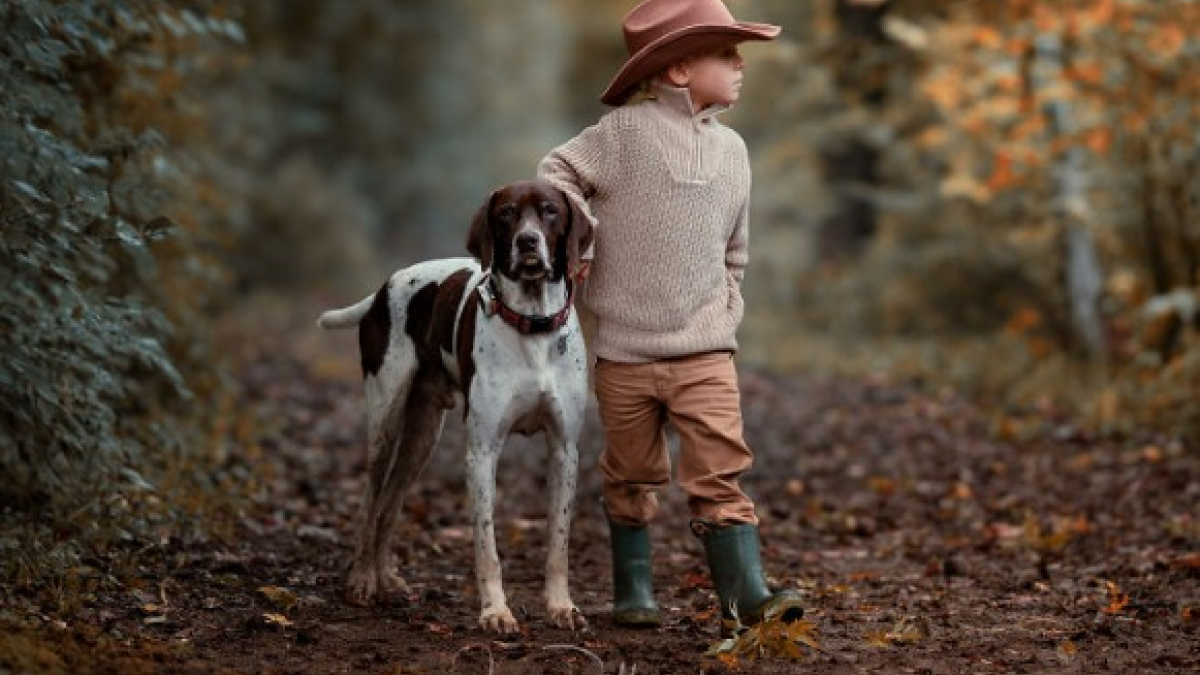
1077	119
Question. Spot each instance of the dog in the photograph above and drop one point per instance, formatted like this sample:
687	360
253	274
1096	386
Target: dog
496	332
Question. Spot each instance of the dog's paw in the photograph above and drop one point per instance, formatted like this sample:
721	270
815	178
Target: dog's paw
365	585
568	617
498	620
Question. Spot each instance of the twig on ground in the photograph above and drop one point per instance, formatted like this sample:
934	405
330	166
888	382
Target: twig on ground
486	648
599	661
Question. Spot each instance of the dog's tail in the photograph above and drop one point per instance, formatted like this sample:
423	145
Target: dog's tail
346	317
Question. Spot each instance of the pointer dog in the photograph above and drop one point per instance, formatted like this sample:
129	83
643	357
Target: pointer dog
497	332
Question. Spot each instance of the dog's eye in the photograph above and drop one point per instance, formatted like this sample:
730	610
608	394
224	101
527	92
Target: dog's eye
549	210
507	212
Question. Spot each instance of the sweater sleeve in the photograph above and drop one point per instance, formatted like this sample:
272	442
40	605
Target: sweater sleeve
577	166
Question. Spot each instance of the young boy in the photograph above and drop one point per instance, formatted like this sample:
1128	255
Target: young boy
668	186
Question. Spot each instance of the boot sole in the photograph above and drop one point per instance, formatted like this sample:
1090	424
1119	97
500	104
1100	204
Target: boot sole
784	607
643	618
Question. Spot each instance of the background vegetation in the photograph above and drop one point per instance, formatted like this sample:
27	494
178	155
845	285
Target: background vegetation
994	195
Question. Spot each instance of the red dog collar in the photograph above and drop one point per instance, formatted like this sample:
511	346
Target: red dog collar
525	324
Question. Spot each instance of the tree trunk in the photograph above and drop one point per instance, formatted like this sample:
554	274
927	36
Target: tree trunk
860	73
1084	277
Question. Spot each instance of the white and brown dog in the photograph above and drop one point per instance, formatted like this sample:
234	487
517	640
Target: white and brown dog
499	333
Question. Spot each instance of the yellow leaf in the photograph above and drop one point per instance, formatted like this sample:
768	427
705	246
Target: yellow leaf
909	630
1117	600
878	639
988	37
1168	40
282	597
277	619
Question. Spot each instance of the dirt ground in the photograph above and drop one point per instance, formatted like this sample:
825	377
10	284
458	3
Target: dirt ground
928	535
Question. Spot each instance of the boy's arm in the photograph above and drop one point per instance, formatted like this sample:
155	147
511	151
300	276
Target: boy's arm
577	166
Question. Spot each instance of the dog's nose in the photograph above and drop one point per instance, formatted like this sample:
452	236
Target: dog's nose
527	242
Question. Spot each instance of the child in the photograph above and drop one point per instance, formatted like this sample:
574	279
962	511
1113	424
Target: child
669	188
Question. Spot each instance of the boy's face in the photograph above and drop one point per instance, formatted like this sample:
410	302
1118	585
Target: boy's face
712	77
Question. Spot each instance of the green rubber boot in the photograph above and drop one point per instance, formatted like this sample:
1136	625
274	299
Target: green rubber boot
633	590
735	562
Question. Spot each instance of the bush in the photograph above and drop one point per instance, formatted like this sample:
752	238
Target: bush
106	265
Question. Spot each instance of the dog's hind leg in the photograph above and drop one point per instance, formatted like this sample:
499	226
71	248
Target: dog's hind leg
424	416
402	444
371	570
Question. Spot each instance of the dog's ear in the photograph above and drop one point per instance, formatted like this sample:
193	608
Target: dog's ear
479	237
579	234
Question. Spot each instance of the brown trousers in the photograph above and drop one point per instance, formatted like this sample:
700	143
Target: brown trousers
699	396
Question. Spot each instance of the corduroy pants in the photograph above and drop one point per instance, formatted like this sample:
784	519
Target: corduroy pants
699	396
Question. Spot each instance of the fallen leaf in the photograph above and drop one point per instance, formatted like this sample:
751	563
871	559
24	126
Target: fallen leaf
909	630
282	597
1189	561
878	639
277	619
1116	598
771	637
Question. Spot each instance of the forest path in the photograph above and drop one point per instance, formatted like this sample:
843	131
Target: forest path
927	535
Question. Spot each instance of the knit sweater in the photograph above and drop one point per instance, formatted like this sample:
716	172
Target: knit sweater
668	190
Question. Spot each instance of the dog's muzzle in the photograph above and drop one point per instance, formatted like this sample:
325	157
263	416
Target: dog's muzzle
530	261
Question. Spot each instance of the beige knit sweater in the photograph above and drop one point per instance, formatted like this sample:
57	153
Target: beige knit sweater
668	189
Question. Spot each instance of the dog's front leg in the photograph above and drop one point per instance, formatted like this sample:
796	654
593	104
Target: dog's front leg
482	455
564	462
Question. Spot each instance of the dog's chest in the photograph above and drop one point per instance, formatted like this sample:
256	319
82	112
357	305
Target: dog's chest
528	380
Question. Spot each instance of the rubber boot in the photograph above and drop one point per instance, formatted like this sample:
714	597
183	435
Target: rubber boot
735	562
633	590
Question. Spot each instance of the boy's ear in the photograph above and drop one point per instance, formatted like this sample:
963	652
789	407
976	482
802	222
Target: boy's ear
677	74
479	237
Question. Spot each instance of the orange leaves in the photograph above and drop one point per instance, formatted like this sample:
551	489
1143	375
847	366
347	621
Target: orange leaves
1167	41
1003	175
1117	599
1098	140
1023	321
988	37
770	638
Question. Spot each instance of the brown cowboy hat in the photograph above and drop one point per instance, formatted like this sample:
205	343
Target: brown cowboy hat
660	32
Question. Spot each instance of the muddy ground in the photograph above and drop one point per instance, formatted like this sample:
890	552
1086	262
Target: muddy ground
928	534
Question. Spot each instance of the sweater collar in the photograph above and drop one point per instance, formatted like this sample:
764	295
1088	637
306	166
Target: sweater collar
679	100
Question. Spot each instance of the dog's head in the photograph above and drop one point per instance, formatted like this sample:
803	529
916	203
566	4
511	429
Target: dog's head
530	232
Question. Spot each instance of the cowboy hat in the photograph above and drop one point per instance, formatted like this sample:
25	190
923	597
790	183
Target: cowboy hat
660	32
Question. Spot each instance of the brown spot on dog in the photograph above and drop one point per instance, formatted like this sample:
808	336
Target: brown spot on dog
432	313
419	323
445	311
373	333
464	346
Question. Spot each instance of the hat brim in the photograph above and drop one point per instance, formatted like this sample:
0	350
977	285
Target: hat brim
674	46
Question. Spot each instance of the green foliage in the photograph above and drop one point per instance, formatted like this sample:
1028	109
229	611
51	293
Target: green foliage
99	406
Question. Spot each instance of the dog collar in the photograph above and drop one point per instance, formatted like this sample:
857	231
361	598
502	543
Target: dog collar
525	324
